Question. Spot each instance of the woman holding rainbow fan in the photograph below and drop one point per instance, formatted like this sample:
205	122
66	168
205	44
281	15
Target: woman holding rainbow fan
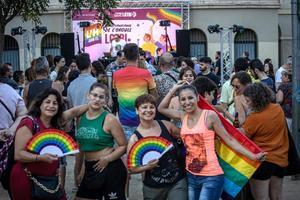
105	174
164	178
45	113
199	127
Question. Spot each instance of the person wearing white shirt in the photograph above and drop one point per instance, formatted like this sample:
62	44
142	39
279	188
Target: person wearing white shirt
59	61
286	66
117	44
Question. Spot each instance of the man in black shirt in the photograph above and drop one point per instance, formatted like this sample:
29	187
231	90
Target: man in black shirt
217	64
205	67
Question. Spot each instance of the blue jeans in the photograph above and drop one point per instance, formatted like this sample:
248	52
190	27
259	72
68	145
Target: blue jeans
205	187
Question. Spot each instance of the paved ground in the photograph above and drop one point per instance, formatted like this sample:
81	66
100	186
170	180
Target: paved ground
291	189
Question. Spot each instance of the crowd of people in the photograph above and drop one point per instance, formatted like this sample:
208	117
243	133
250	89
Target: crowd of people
107	109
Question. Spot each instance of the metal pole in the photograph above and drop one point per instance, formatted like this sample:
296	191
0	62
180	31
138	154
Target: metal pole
166	33
296	73
33	46
222	57
26	48
230	43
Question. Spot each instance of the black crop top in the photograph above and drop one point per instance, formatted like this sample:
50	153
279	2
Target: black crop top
169	170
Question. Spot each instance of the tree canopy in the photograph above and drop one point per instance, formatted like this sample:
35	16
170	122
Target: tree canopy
33	9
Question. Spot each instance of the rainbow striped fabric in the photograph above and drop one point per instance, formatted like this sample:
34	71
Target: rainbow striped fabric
130	83
237	168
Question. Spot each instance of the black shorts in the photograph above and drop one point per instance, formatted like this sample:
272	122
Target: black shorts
110	183
115	107
266	170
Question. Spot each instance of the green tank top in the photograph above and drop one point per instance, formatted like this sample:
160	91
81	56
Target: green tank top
90	134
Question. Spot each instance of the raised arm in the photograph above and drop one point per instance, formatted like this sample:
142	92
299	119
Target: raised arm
163	107
214	123
74	112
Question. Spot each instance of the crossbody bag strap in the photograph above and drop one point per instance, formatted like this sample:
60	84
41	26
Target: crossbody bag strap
11	115
172	77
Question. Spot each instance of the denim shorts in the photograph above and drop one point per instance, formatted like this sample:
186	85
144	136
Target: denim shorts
128	131
205	187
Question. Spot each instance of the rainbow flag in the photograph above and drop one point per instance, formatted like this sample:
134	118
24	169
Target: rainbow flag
93	34
237	168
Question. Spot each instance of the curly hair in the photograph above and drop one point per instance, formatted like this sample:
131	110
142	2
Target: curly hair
35	106
259	94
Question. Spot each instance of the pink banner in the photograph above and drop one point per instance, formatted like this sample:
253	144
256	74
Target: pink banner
140	26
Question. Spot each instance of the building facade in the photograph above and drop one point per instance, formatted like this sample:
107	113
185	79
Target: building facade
267	32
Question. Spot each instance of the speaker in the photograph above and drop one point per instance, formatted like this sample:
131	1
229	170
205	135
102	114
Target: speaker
183	43
67	49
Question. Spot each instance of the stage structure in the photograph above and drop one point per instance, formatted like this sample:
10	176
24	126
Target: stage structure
135	22
226	47
184	5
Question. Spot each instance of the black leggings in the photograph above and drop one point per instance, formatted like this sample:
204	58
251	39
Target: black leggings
109	183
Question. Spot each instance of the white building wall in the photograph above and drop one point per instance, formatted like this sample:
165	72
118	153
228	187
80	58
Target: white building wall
263	21
54	21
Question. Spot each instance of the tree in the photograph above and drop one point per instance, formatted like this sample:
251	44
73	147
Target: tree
33	9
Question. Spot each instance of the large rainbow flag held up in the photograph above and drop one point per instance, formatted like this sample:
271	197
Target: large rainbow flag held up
237	168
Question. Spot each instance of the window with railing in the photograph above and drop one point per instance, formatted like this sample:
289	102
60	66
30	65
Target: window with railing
198	43
245	41
11	52
50	44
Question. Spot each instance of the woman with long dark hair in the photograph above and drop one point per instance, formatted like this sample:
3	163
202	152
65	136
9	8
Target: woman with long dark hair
45	113
198	131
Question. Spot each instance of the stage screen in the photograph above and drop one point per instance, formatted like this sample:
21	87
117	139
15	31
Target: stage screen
133	25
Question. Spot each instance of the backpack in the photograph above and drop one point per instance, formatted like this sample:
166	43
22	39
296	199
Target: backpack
7	156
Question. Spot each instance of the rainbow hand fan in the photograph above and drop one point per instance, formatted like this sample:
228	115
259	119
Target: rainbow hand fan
147	149
52	141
